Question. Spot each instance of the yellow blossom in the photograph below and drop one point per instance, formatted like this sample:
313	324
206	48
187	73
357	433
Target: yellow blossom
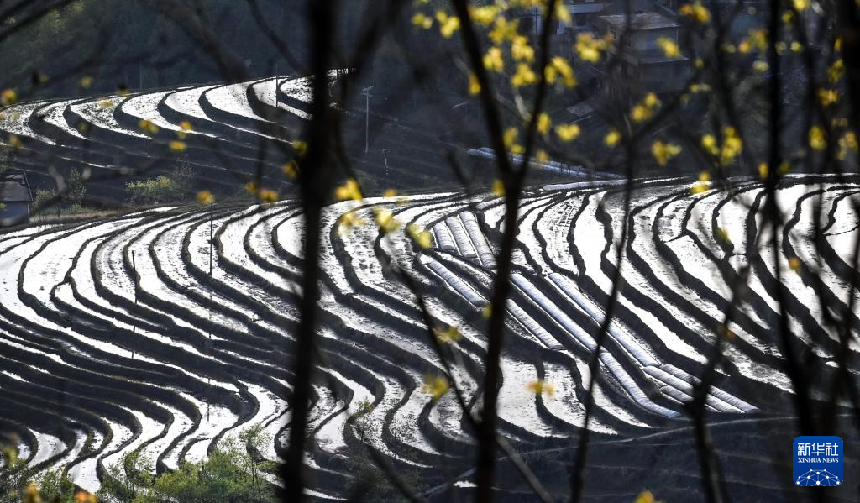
447	24
612	138
447	336
563	68
543	123
422	238
640	113
268	195
177	146
588	47
300	147
760	65
435	386
503	30
389	193
422	21
835	71
567	132
794	264
847	143
186	126
521	50
663	152
15	142
474	85
695	11
800	5
541	387
493	60
349	220
828	97
700	187
709	143
349	190
723	235
205	197
498	188
291	169
385	220
763	170
86	81
484	15
669	47
524	76
817	138
645	497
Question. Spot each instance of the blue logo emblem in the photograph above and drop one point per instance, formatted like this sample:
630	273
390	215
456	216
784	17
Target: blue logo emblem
818	461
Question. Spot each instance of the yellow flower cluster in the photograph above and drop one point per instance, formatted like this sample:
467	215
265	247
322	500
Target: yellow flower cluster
828	97
435	386
521	50
474	85
423	238
612	138
559	67
349	191
567	132
589	48
511	141
664	152
543	123
848	143
730	149
348	221
484	15
291	169
145	125
385	220
447	336
524	76
669	47
8	97
703	184
447	24
817	138
541	387
645	109
695	11
493	60
205	197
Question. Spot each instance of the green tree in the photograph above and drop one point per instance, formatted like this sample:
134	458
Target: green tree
233	472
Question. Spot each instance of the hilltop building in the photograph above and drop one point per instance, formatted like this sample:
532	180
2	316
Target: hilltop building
15	194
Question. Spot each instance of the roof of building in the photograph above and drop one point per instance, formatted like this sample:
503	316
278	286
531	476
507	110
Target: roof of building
641	21
14	187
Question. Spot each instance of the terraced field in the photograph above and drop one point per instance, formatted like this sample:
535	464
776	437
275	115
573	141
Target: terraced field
236	130
165	331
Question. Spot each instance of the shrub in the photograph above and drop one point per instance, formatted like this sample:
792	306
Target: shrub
152	191
232	473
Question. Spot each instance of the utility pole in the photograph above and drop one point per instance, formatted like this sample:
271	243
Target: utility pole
134	278
366	93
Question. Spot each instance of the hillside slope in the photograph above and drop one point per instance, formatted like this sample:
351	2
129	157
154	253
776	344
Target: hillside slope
166	330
